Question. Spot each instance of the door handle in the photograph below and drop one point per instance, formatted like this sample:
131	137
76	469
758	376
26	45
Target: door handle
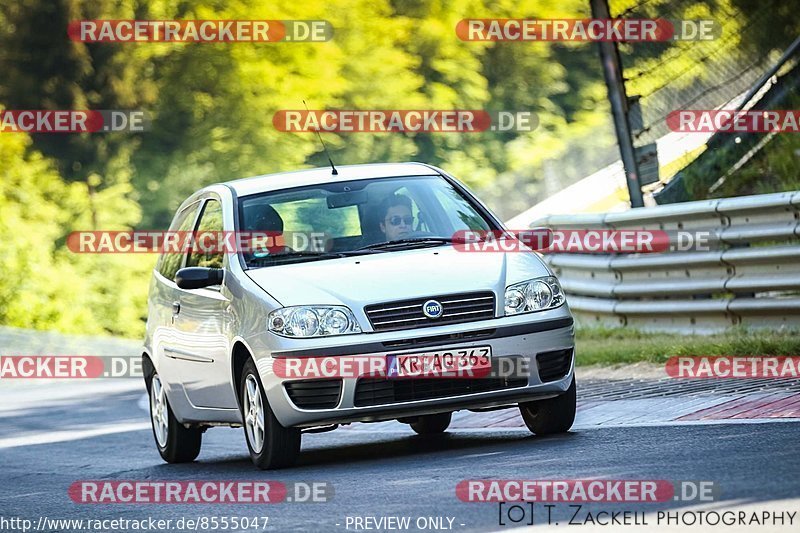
176	308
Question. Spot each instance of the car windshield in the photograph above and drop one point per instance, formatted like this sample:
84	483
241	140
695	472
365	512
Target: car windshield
356	217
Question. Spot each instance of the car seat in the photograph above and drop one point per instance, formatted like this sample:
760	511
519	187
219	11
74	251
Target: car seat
264	218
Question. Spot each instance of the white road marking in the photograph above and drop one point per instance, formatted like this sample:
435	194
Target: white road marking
21	495
144	403
479	455
49	437
35	394
411	481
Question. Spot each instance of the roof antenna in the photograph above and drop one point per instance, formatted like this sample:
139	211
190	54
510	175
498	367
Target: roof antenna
334	172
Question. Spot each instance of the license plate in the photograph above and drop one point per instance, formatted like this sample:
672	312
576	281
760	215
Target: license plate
461	362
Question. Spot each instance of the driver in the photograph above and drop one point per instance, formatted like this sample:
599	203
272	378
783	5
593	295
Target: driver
396	220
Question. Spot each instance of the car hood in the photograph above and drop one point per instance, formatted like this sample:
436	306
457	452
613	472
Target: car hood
382	277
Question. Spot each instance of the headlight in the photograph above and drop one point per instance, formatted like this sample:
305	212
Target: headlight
533	295
312	321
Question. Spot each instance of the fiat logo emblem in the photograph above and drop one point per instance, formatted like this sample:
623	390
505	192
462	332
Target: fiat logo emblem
432	309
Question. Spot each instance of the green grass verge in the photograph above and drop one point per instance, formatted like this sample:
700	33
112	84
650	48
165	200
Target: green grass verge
595	346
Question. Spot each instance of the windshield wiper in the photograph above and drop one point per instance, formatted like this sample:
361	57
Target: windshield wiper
403	243
309	254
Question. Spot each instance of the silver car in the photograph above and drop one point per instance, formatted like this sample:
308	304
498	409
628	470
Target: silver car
367	266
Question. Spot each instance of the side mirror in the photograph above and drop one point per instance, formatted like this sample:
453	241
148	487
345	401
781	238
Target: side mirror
198	277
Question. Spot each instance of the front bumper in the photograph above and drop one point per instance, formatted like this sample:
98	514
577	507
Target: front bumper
511	338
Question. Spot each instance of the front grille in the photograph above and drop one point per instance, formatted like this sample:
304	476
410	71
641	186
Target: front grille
407	314
440	339
554	365
314	393
378	391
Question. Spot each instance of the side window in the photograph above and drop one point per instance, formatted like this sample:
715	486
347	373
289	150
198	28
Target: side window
210	222
170	262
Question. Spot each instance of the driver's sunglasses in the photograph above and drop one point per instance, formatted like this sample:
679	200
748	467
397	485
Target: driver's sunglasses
397	220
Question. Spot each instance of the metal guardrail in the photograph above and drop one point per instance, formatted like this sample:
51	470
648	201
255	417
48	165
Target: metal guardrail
750	275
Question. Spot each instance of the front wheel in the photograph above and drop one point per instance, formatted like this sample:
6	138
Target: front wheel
175	442
271	445
554	415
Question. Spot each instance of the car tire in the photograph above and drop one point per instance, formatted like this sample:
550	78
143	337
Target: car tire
175	442
432	424
271	445
554	415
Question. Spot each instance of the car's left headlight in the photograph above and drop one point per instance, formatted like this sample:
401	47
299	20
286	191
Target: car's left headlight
533	295
313	321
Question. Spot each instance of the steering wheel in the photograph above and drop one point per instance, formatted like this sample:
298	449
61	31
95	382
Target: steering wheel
418	234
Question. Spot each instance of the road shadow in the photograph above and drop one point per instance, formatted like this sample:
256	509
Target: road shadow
373	449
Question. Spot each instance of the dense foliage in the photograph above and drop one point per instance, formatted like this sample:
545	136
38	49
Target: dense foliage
211	108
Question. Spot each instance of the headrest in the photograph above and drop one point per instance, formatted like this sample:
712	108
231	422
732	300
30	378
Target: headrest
262	217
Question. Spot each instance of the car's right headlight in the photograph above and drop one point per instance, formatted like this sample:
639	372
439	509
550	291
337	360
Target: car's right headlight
313	321
533	295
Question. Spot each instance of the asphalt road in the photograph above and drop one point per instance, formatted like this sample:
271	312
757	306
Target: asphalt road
55	434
